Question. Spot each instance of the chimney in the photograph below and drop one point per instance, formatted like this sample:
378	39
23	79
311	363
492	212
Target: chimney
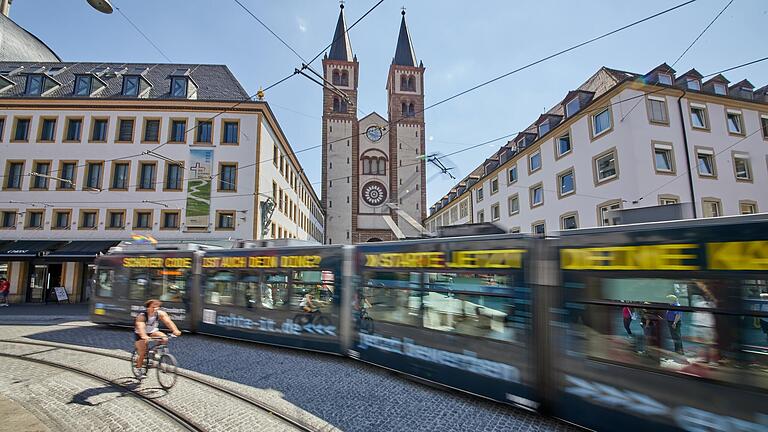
5	7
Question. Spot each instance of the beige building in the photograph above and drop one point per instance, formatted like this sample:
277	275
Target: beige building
623	148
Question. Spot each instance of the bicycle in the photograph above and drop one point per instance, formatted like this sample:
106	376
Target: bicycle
159	357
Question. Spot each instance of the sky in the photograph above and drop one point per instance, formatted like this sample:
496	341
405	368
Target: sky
461	44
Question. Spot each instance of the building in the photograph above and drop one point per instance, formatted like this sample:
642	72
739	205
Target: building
373	168
93	153
17	44
622	148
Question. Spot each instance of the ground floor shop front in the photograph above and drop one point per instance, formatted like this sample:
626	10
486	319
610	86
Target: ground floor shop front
35	269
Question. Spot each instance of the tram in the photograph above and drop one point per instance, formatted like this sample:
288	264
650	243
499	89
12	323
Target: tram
660	326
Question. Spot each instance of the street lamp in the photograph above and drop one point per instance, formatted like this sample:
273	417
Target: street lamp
103	6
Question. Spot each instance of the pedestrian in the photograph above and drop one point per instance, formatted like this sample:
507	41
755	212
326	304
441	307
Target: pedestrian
5	287
674	318
626	313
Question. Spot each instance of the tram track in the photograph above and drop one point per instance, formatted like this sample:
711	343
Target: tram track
261	405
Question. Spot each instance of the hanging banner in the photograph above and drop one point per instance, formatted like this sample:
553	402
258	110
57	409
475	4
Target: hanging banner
199	189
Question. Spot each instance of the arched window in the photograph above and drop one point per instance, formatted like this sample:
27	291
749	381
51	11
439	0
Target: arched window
366	165
412	83
411	110
336	105
343	106
382	166
403	83
335	79
405	109
345	78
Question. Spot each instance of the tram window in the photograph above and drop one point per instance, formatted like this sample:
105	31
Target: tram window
312	290
169	285
460	303
392	297
219	289
700	327
106	279
247	290
274	290
137	286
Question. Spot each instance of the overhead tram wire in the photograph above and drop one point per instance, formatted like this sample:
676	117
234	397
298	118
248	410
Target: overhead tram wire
270	30
143	34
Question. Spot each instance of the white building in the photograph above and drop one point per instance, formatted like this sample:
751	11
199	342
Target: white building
93	153
621	142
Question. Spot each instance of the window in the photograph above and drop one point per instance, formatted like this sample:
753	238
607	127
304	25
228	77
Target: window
566	183
35	219
515	230
142	219
572	107
340	105
178	131
668	200
605	166
543	129
93	175
131	85
74	128
170	219
116	219
479	194
13	175
563	144
742	167
21	131
67	175
174	173
712	207
538	227
275	154
48	130
34	85
747	207
513	203
8	219
706	162
601	122
225	220
693	84
537	195
663	158
179	87
125	130
83	85
464	209
569	221
512	175
495	212
61	219
665	79
99	130
721	89
147	175
88	219
494	185
152	130
657	110
230	132
40	181
608	213
228	177
204	131
120	175
699	116
2	128
480	216
336	77
763	125
454	214
735	122
534	161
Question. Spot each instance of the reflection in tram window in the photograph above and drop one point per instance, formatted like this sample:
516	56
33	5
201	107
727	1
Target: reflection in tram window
169	285
713	329
247	290
392	297
219	289
460	303
137	286
312	291
106	278
274	290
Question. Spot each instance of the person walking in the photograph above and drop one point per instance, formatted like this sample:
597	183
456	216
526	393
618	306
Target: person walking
626	313
674	318
5	288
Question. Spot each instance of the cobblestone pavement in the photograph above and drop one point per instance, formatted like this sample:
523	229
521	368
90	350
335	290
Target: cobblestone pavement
319	389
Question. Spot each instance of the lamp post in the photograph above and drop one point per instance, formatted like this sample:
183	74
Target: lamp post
103	6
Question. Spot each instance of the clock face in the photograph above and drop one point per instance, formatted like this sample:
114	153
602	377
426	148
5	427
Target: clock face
374	194
373	133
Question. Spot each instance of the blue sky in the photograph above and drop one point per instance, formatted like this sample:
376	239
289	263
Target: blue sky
461	44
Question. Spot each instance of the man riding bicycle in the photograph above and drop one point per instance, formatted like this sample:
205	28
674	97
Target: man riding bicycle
147	325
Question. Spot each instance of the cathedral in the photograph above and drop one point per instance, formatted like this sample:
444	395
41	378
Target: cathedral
373	167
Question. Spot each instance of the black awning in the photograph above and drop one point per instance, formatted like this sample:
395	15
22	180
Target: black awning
25	249
82	249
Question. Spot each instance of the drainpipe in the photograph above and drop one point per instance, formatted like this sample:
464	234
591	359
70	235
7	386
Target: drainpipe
687	153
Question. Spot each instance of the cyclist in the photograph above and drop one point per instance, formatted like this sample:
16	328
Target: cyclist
308	304
147	325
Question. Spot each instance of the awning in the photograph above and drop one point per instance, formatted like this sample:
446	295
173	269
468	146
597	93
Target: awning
25	249
82	249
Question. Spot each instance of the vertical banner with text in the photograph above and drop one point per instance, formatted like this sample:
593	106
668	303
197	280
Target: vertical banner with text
199	189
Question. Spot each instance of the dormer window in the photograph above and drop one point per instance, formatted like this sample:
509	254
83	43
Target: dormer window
5	83
665	79
693	84
572	107
745	92
82	85
179	87
131	85
34	85
543	128
720	89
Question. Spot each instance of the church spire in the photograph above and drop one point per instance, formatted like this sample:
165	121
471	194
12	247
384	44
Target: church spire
404	55
341	49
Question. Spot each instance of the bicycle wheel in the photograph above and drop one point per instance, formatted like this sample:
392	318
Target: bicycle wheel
166	371
321	320
137	371
302	319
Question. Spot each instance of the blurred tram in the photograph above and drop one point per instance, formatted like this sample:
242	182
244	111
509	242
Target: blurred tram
660	326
